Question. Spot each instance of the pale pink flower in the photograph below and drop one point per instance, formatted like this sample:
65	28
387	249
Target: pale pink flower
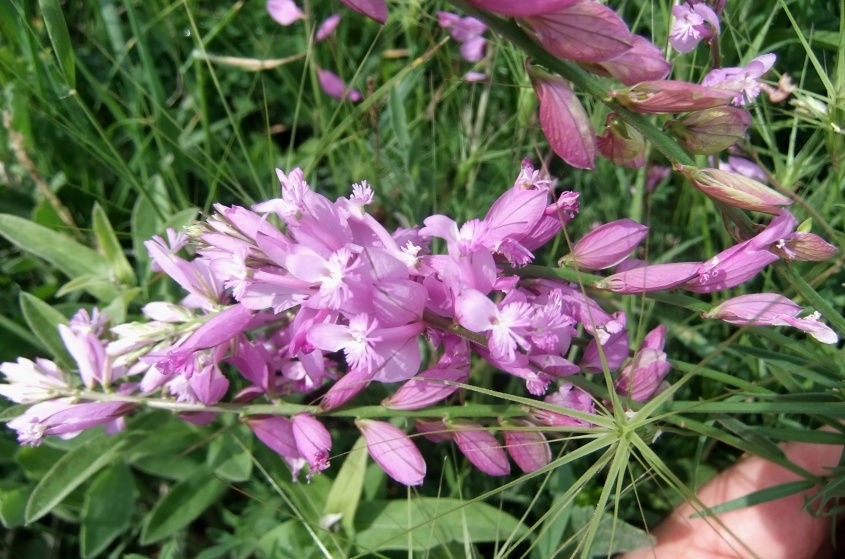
328	27
285	12
742	79
393	451
692	24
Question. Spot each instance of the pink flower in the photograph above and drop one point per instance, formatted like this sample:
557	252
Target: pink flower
393	451
277	433
742	79
567	397
481	448
691	25
607	245
564	121
285	12
334	86
641	377
656	277
527	446
466	31
313	442
522	8
506	325
771	309
327	27
373	9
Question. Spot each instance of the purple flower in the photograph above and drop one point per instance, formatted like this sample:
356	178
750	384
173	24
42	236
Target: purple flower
564	121
692	24
466	31
522	8
607	245
393	451
334	86
742	79
32	381
526	445
64	418
313	442
327	27
373	9
285	12
771	309
655	277
277	433
481	448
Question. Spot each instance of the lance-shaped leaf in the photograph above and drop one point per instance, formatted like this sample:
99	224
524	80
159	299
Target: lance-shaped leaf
563	120
668	96
585	31
736	190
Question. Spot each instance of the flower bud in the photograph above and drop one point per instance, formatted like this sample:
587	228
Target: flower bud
277	433
606	246
373	9
642	62
523	8
334	86
710	131
621	144
433	430
736	190
425	389
656	277
481	448
345	388
393	451
527	446
563	120
313	442
570	397
640	379
668	96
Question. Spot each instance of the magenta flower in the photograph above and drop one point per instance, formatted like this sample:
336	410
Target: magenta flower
669	96
526	445
393	451
742	79
466	31
481	448
692	24
655	277
277	433
584	31
506	324
567	397
285	12
328	27
373	9
642	62
313	442
425	389
771	309
563	120
522	8
736	190
334	86
607	245
344	389
640	379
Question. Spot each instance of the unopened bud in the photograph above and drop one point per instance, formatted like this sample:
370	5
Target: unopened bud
607	245
736	190
668	96
710	131
621	144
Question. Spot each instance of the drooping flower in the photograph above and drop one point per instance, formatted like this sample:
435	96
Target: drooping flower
327	28
334	86
607	245
480	447
526	444
285	12
393	451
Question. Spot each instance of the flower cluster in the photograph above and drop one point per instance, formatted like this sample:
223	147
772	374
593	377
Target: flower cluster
303	296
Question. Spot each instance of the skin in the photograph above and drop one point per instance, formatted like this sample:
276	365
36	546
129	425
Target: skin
779	529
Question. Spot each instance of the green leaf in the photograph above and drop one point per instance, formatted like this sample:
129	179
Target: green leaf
288	540
44	320
73	259
613	535
426	522
228	459
56	26
12	412
110	246
181	506
71	471
12	506
398	119
345	493
107	511
85	283
757	497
